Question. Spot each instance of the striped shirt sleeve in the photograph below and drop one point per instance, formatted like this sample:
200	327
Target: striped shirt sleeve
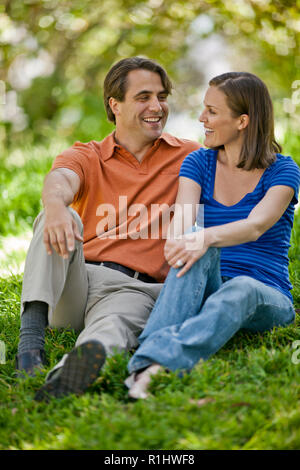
286	173
193	166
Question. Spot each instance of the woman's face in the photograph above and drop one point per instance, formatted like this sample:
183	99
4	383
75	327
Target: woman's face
221	128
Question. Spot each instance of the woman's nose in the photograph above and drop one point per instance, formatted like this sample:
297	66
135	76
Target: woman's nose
202	117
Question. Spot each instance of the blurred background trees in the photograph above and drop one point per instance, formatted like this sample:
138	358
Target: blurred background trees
55	54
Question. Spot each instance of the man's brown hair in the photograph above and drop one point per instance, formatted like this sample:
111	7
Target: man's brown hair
247	94
115	83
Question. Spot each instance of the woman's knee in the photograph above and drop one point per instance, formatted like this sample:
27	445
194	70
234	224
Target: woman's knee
241	288
242	282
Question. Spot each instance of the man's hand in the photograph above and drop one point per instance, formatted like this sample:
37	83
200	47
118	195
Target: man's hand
60	230
188	249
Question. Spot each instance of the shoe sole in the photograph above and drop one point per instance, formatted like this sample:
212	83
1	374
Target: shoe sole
79	371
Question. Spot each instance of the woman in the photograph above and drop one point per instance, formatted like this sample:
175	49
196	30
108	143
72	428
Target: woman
232	274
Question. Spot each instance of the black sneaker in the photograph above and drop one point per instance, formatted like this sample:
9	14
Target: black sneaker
79	371
30	363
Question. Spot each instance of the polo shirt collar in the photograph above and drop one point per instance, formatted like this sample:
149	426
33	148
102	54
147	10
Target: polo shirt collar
108	145
169	139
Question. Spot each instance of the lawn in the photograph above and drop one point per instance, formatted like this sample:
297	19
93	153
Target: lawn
244	397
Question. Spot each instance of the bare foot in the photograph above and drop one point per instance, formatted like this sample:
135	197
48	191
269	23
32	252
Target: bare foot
142	381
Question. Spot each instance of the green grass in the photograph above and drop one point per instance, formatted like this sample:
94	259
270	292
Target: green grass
245	397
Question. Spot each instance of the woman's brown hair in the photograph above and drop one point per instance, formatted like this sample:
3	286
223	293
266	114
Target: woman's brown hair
247	94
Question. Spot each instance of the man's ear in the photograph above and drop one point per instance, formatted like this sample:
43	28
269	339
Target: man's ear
244	121
114	105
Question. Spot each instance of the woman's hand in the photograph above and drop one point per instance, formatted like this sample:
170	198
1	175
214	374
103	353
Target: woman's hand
185	251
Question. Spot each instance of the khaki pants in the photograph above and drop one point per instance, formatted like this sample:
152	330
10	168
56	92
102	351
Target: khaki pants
102	303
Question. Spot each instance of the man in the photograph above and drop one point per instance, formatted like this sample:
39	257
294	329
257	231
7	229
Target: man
98	266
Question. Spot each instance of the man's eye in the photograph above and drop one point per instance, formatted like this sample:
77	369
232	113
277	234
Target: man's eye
163	97
211	111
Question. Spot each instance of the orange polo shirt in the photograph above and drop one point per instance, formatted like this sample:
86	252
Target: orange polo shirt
126	205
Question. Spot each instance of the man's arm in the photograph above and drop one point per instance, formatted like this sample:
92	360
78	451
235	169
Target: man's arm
60	231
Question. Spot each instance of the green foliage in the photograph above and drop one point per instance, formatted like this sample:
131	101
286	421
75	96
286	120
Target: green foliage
77	42
21	178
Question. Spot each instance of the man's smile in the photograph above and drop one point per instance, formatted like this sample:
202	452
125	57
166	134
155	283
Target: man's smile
152	119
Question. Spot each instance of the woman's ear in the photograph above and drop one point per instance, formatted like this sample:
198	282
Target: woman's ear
244	121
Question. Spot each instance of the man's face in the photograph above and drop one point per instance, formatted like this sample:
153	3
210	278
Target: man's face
144	111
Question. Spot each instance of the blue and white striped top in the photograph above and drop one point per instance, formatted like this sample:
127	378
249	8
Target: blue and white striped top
265	259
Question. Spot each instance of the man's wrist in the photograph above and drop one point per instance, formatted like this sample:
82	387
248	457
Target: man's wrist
53	204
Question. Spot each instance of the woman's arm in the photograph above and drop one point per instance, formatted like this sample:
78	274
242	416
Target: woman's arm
186	207
262	217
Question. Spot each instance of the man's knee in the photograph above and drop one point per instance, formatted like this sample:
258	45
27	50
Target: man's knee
113	331
41	219
77	218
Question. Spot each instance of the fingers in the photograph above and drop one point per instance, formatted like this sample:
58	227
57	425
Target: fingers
62	239
186	267
47	243
194	256
174	251
77	234
180	258
58	241
185	252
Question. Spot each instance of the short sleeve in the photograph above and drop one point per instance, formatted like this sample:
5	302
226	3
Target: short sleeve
286	173
74	159
194	166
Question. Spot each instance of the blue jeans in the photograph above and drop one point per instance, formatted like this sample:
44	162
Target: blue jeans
195	315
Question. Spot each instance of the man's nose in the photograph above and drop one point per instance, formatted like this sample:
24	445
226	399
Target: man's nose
155	105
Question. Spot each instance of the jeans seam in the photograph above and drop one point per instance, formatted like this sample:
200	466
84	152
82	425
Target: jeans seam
200	285
197	291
